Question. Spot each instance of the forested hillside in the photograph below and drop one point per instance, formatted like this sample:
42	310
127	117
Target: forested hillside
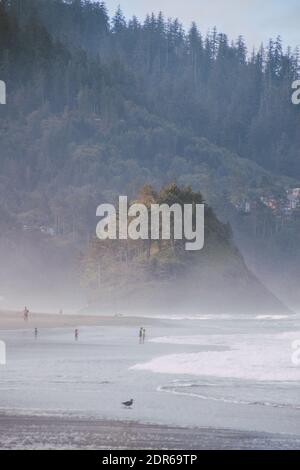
133	105
99	106
237	98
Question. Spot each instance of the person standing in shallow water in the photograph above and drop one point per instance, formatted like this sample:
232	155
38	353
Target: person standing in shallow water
35	333
141	335
76	334
26	314
144	334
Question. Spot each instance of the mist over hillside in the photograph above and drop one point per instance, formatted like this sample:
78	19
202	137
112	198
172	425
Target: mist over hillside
160	276
98	107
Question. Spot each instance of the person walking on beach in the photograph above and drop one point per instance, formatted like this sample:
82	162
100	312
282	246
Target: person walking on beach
141	335
26	314
144	334
35	333
76	334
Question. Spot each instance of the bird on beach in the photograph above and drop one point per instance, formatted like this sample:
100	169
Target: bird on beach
128	404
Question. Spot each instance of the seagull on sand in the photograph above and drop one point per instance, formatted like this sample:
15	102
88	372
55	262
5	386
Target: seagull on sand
128	404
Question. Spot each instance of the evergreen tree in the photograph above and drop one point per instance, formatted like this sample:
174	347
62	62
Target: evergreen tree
119	22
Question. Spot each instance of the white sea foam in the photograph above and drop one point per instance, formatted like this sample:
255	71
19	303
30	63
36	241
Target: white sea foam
271	317
179	387
183	317
207	317
244	356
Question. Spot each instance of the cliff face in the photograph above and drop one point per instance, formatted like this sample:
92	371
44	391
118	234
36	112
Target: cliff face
224	286
137	276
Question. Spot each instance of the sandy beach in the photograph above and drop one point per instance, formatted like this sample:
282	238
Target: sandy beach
50	432
15	321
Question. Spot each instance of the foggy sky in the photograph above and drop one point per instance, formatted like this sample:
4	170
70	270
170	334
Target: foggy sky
256	20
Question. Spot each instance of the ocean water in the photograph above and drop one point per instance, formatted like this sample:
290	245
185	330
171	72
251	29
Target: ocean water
206	371
256	357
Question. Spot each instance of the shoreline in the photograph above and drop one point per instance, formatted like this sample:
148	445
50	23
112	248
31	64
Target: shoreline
12	320
15	321
70	432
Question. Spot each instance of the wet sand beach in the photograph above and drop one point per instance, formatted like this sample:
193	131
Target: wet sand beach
50	432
